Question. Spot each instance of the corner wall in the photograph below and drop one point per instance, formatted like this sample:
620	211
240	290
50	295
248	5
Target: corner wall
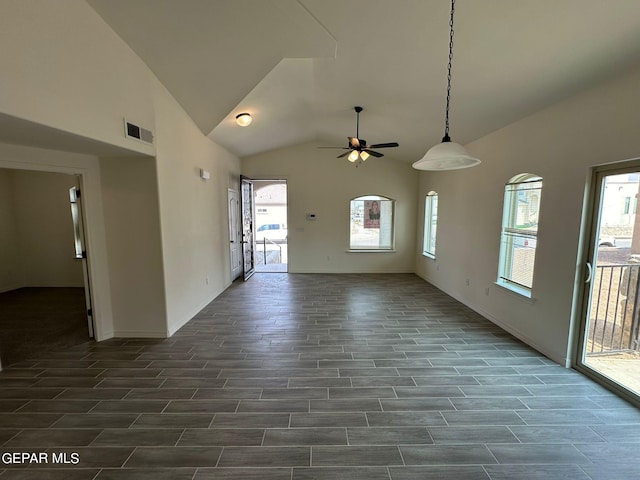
193	212
132	226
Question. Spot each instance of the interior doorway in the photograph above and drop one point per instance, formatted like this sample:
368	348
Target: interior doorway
43	295
609	347
271	226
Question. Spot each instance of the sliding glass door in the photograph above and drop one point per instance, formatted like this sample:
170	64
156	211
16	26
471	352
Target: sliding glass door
609	347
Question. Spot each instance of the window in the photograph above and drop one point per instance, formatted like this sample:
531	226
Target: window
519	233
371	224
430	223
627	205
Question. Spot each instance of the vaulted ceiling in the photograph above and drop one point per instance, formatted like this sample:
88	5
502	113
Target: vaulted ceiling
300	66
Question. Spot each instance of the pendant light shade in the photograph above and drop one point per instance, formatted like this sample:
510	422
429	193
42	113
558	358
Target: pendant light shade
447	155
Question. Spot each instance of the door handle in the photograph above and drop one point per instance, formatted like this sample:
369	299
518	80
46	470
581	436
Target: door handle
589	273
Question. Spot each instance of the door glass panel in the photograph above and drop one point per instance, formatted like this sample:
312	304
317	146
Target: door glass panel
75	217
248	252
611	336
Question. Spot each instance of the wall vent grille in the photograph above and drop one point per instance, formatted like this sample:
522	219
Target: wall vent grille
132	130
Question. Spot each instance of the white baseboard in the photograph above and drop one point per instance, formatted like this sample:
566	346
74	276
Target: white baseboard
139	334
172	329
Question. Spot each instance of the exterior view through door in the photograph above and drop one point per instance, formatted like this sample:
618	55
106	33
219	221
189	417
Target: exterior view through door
271	233
609	346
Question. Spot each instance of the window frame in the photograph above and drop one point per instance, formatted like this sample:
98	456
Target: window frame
353	224
511	232
430	224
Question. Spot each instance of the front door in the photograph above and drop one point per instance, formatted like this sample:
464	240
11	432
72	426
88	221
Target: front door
248	253
609	348
235	234
81	250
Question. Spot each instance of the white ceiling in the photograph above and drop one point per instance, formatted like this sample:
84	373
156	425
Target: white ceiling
300	66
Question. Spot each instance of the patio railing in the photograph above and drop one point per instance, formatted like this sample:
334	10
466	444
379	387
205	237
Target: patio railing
615	310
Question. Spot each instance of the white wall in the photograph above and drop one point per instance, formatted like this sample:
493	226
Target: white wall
561	144
319	183
132	226
44	229
62	66
193	212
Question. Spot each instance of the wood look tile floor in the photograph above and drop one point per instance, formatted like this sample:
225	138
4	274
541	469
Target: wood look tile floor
292	377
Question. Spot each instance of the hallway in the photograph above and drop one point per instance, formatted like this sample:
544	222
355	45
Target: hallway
316	376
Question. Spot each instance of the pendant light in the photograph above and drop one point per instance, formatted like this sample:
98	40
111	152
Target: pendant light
447	155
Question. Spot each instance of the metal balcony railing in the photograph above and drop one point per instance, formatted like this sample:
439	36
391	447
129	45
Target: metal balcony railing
615	310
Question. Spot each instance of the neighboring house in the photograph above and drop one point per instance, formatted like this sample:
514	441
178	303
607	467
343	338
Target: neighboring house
619	211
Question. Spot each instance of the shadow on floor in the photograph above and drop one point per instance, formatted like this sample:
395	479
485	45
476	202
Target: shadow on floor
37	319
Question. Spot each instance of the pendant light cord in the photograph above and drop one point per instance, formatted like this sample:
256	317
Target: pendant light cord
446	121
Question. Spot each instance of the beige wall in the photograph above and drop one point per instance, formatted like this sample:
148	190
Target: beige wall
561	144
44	229
319	183
11	274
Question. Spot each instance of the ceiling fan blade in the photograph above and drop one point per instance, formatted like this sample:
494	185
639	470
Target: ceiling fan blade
385	145
344	154
341	148
371	152
354	142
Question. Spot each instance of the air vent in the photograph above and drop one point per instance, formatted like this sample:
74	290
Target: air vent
132	130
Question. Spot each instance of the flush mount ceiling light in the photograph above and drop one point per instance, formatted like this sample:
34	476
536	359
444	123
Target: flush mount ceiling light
447	155
244	119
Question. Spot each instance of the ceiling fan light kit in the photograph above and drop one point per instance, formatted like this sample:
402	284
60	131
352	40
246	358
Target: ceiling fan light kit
447	155
358	151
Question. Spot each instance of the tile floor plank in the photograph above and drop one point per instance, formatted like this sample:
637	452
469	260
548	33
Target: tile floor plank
319	376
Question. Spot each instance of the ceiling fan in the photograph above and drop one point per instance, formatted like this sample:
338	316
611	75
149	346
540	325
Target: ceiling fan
358	148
